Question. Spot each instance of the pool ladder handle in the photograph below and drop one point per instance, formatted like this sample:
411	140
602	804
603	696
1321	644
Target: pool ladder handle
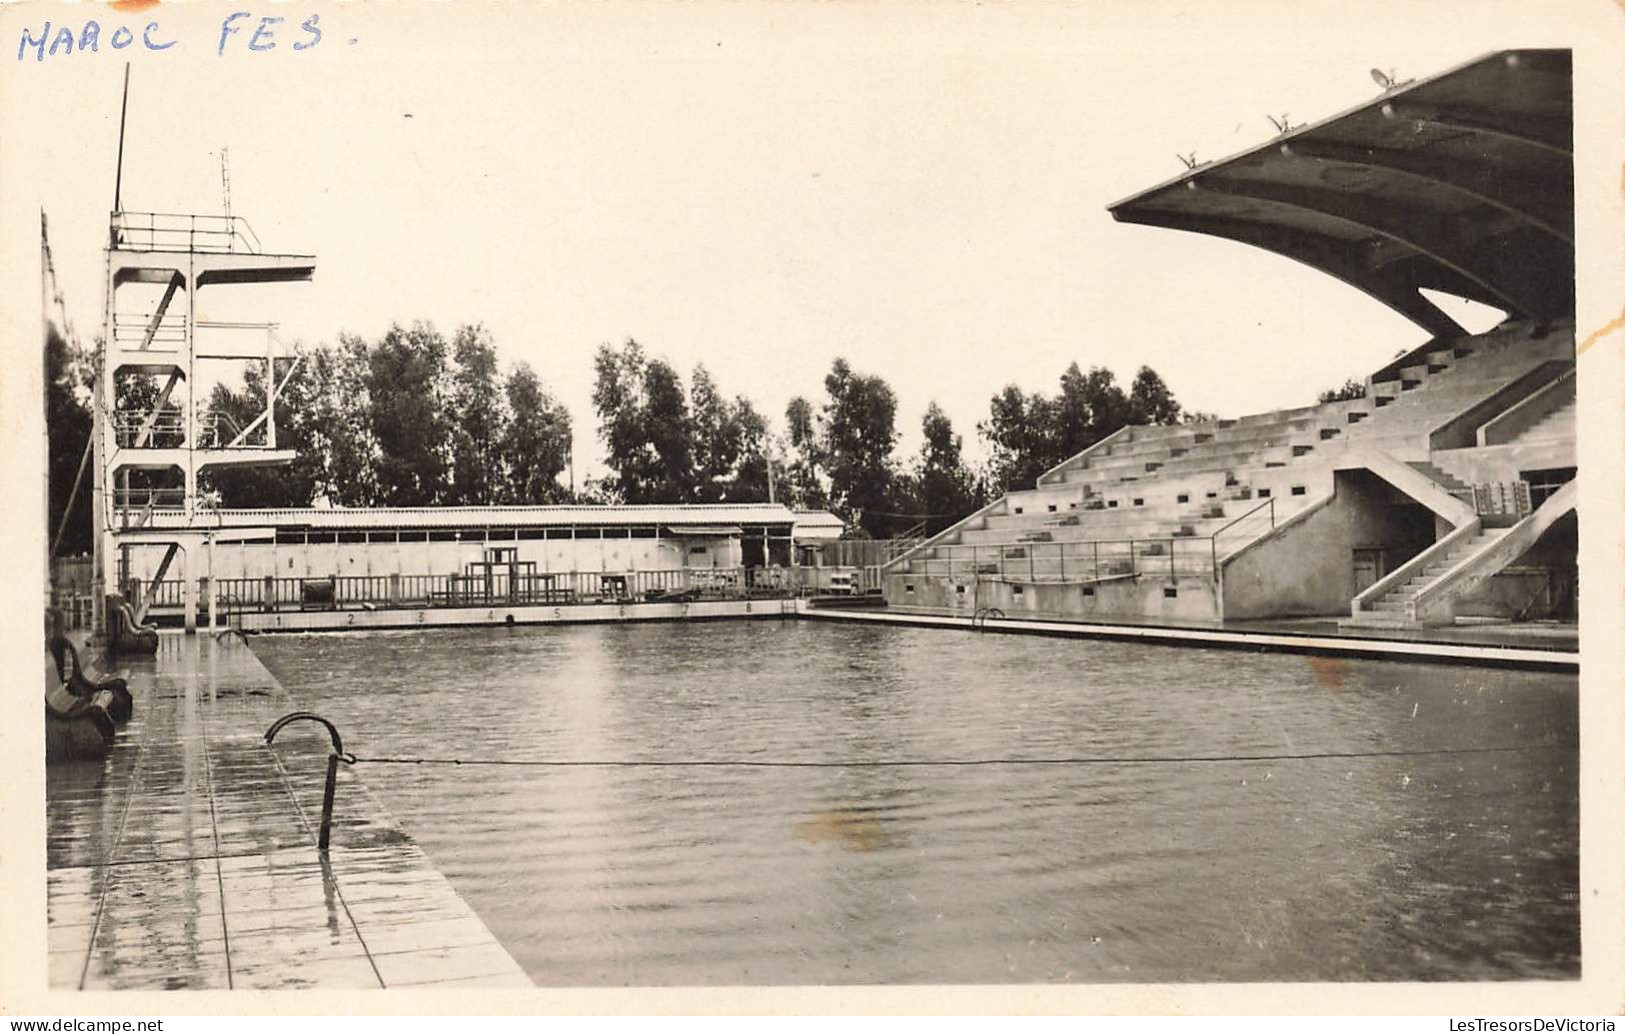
333	760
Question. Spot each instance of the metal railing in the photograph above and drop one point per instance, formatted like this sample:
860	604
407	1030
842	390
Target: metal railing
219	430
133	327
215	430
168	430
565	588
1503	498
1245	528
148	498
1092	560
169	231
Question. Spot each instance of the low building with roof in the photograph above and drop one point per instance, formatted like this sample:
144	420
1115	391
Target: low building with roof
360	550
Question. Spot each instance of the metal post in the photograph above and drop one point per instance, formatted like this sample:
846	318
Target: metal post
189	588
214	590
327	802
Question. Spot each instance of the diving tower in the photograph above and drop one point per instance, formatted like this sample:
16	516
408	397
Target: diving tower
155	432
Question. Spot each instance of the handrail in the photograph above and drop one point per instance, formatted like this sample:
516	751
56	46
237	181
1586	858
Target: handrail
1213	539
931	542
126	497
1270	502
333	760
166	231
984	615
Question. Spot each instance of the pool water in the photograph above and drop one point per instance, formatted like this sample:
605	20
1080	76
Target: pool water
1457	865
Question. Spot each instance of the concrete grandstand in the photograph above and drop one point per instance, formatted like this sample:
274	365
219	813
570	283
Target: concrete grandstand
1446	492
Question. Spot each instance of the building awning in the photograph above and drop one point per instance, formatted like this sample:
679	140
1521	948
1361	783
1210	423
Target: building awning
706	530
1462	182
476	517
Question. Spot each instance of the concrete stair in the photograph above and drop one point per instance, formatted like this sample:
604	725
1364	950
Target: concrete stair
1393	608
1558	425
1457	487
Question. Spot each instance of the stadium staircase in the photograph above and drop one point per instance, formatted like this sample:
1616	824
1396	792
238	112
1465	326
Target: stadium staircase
1423	590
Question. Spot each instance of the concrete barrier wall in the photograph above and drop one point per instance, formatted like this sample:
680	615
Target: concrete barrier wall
1144	597
441	617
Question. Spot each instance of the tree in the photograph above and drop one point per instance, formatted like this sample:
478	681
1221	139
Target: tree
645	425
1150	401
479	420
536	441
859	434
668	428
1019	433
68	428
751	477
293	485
805	482
730	445
1029	434
618	374
1349	390
406	372
342	433
716	438
1109	409
1072	417
944	488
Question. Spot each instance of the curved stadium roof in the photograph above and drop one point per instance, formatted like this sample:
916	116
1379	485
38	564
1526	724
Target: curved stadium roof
1462	182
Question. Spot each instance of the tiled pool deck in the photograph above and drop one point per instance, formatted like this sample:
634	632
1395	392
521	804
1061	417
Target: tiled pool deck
187	858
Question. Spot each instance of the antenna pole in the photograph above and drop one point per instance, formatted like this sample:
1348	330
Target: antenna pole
124	107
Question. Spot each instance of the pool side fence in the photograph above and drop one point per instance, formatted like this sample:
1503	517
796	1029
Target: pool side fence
271	594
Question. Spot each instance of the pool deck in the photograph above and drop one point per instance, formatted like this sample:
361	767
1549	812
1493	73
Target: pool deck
187	858
1503	644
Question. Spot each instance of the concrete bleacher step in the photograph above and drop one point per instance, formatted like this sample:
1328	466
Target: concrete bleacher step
1185	467
1451	483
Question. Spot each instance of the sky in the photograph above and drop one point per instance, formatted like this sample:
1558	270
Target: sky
920	189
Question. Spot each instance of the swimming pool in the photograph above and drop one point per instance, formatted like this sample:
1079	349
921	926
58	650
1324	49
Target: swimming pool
848	868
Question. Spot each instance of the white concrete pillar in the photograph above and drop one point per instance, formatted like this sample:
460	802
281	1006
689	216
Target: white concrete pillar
188	592
214	592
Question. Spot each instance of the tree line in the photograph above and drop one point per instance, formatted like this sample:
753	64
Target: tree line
415	418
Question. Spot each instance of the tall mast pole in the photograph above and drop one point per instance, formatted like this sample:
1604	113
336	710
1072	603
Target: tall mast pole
123	110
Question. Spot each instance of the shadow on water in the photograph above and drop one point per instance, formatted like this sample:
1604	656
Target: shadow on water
1406	866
